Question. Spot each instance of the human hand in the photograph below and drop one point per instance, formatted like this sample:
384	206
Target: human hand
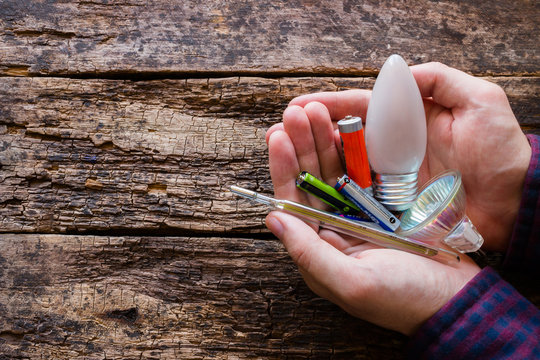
390	288
387	287
471	128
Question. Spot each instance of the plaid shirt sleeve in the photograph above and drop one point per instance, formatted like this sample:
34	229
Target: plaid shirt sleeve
488	318
524	250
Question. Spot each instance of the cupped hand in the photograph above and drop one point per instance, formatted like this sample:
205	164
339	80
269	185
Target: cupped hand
471	128
390	288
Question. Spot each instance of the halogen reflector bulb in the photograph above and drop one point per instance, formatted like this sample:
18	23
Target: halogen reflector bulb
396	134
438	215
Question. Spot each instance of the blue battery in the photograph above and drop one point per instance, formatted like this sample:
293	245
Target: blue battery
367	203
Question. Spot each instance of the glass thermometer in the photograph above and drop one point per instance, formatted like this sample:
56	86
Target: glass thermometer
350	227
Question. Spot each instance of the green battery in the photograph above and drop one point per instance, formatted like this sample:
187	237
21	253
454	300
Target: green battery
326	193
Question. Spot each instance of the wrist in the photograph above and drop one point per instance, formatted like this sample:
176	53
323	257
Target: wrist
507	181
524	248
487	319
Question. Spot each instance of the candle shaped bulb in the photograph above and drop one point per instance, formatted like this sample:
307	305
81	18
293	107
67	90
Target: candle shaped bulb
396	134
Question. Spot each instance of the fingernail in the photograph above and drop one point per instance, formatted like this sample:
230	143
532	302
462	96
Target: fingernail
274	225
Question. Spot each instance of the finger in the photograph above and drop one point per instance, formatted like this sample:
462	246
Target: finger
440	152
341	242
284	167
273	129
440	136
339	103
447	86
339	147
323	134
314	256
298	127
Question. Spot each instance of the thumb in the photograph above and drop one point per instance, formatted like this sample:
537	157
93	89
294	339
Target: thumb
314	256
450	87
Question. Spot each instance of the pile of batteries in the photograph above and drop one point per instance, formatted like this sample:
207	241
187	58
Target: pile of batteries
352	194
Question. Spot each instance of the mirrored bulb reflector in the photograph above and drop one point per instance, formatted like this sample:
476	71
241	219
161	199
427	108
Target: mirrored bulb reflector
438	214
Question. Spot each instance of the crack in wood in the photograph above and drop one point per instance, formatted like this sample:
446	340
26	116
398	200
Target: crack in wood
129	316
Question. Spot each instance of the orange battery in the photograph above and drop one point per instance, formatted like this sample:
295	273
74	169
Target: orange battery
354	149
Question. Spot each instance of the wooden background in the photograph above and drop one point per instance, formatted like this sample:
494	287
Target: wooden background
122	125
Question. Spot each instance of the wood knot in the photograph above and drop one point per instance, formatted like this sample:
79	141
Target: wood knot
157	189
93	184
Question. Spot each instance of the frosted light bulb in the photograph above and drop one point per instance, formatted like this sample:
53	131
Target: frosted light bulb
396	134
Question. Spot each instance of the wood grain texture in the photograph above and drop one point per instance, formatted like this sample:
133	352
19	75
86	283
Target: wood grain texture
94	297
109	155
104	38
122	125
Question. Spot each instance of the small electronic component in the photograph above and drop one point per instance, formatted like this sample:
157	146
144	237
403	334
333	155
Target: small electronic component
326	193
376	212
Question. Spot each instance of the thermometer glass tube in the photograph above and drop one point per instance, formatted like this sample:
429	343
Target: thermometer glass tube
350	227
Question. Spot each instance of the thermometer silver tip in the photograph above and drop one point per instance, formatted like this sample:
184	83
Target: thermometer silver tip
253	195
243	192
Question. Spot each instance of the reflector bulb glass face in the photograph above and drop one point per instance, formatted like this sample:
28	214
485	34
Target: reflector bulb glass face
438	215
395	123
433	199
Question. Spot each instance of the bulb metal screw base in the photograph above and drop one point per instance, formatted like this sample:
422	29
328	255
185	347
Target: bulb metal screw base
397	192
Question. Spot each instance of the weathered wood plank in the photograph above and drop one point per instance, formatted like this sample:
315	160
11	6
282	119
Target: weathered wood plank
106	155
92	297
312	37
